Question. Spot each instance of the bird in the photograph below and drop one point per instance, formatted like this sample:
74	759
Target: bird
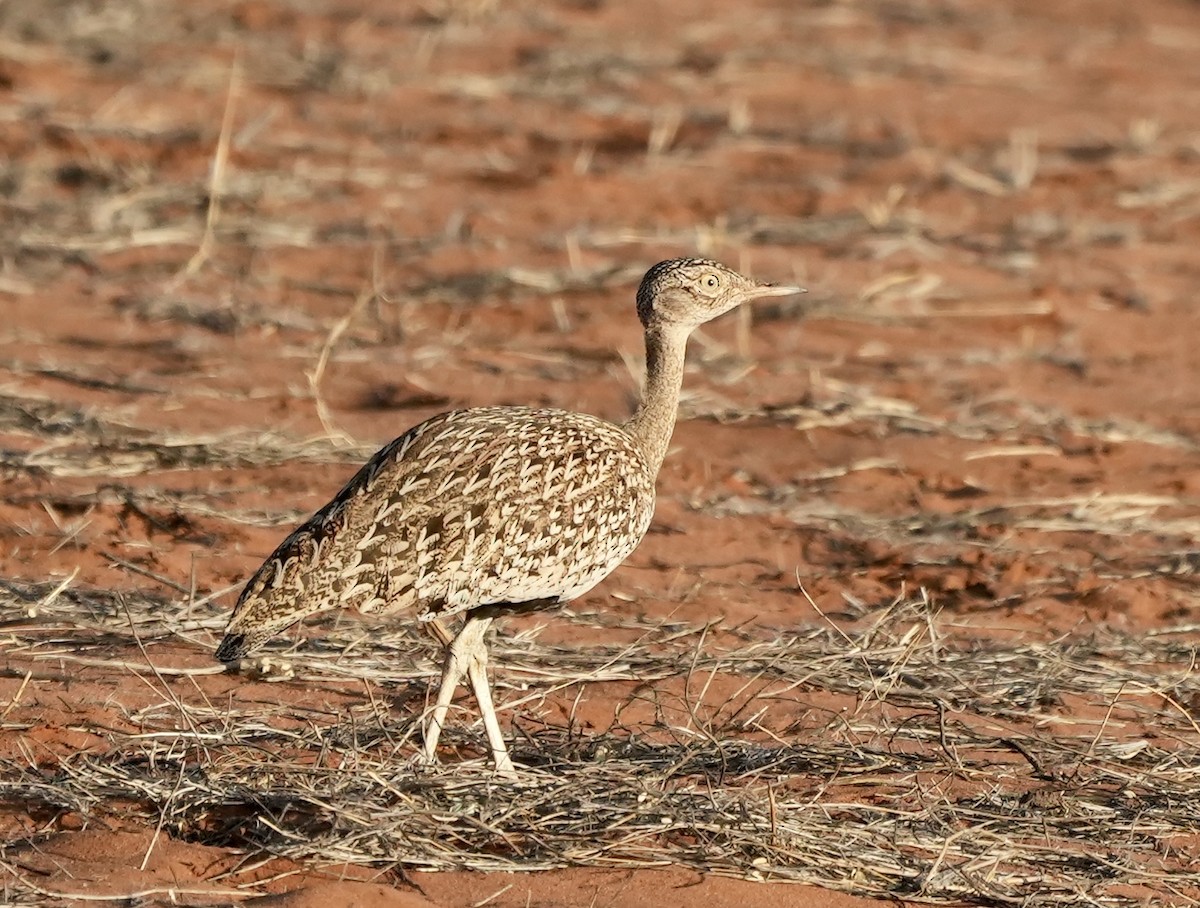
489	511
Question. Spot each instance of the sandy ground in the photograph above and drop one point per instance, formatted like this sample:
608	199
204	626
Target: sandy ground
242	244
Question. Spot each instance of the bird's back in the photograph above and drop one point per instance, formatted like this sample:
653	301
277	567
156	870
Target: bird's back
473	507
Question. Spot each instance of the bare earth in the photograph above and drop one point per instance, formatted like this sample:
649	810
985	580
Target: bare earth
918	615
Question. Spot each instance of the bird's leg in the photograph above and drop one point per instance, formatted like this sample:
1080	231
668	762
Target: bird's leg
477	669
458	659
438	631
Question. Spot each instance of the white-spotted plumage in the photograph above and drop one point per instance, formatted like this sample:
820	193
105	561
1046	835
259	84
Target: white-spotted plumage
484	510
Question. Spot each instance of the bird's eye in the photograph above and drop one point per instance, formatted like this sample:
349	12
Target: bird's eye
711	281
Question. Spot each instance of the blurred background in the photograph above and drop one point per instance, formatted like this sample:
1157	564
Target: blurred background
243	244
324	221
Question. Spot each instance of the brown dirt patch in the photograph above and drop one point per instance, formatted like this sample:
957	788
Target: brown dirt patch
917	618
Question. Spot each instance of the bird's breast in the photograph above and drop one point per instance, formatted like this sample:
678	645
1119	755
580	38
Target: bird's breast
540	507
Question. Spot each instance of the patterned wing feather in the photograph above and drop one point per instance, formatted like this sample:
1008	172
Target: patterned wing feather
474	507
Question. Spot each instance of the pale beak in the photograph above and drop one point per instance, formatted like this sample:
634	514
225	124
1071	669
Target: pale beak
765	290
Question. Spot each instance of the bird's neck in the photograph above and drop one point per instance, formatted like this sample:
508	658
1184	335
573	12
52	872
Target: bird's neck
653	421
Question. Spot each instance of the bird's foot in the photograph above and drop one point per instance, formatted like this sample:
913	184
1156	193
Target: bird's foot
426	760
505	769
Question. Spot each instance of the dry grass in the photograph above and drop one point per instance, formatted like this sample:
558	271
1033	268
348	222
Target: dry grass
224	216
76	442
1050	773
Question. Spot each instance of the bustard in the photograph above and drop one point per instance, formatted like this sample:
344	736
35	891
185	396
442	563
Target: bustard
493	510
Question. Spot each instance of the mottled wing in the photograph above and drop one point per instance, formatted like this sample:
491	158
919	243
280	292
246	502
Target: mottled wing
473	507
527	505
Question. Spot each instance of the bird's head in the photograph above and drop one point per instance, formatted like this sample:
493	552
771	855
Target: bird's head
261	611
274	598
686	293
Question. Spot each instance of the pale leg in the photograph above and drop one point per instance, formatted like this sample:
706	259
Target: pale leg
477	669
438	631
459	654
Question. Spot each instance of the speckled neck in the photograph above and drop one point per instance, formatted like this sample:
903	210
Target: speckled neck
652	423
